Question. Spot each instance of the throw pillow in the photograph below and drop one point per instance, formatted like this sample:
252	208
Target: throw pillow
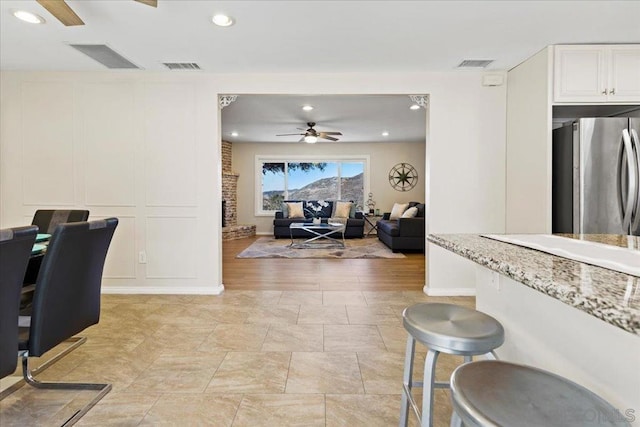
343	210
285	210
295	210
410	213
352	211
398	210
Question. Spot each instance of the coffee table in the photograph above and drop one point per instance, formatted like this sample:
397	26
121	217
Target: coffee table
323	235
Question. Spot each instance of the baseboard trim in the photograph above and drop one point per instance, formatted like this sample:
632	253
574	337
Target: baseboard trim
449	292
164	290
264	233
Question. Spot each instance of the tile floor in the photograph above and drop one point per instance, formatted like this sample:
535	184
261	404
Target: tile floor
246	358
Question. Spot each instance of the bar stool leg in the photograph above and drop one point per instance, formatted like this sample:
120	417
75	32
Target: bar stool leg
407	381
455	420
491	356
429	387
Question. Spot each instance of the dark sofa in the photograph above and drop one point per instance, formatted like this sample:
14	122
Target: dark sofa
403	234
354	227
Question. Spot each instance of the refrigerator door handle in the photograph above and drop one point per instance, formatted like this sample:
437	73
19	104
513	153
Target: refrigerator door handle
628	204
636	205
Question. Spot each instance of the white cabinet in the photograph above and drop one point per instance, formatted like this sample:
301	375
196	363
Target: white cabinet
596	74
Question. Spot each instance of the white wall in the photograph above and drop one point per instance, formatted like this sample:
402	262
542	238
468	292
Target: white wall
466	160
176	126
382	157
141	147
529	145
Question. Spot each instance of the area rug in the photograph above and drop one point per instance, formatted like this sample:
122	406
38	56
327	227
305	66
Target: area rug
269	247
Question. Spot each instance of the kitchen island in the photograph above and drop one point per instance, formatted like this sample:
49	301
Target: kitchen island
568	317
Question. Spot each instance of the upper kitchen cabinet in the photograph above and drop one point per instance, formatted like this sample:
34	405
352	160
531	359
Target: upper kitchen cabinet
596	74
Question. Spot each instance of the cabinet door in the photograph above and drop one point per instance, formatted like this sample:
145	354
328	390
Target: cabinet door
624	75
580	74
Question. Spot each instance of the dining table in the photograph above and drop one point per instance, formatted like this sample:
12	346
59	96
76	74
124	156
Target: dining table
40	245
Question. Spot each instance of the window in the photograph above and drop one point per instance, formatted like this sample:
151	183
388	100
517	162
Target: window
309	179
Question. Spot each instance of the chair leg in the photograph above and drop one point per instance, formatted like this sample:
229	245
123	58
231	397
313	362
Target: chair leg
429	387
75	343
407	381
102	390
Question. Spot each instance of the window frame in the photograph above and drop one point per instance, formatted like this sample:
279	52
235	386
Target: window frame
261	158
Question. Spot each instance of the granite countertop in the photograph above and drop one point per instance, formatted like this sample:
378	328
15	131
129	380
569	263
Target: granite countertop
606	294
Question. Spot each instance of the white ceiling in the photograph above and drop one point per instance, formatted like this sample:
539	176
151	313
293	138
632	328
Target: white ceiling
314	36
318	36
360	118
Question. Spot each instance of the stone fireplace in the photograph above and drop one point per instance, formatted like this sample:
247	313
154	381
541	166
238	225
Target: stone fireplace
230	227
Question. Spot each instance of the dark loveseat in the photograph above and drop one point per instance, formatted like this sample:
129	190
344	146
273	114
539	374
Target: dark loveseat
354	226
403	234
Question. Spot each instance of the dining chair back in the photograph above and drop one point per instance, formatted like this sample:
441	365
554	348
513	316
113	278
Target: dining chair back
15	250
48	219
67	293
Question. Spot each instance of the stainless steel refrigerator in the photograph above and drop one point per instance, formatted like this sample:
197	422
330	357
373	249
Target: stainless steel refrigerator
596	169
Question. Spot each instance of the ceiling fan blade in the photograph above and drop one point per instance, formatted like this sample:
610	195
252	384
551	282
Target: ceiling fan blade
152	3
330	133
330	138
289	134
301	139
62	12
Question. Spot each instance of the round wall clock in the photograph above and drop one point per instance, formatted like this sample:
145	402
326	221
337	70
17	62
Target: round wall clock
403	177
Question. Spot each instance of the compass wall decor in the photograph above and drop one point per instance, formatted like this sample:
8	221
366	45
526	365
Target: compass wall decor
403	177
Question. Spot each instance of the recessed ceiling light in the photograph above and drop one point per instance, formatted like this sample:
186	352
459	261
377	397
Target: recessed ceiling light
385	133
234	134
414	107
222	20
307	108
29	17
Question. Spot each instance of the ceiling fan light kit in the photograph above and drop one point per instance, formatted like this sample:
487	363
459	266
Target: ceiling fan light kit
311	135
310	139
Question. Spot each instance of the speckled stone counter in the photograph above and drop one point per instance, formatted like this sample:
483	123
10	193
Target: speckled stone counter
608	295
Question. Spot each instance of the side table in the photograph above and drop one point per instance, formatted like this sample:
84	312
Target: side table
371	223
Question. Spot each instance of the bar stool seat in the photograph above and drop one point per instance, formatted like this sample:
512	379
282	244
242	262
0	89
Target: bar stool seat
443	328
452	328
498	393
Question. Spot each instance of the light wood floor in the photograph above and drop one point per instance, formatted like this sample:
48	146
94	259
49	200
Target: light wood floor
405	274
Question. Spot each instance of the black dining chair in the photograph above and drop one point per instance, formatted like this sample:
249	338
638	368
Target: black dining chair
15	250
47	220
66	300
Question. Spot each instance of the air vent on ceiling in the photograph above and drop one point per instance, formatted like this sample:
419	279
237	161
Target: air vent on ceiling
475	63
181	65
104	55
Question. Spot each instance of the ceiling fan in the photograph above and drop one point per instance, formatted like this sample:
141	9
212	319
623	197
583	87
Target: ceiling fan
311	135
63	13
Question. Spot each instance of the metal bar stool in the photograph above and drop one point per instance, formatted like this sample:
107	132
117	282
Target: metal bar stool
445	328
497	393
